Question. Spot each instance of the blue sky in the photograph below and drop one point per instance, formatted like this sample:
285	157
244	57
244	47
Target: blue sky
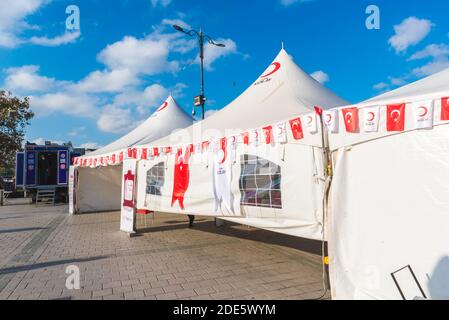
92	85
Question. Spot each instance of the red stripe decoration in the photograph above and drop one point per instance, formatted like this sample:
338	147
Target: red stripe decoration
245	138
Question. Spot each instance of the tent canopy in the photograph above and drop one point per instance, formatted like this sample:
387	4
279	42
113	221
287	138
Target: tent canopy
167	118
283	91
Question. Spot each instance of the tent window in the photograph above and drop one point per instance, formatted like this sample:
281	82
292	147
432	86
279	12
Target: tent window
155	179
260	182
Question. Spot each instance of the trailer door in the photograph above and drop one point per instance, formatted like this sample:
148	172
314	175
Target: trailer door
20	169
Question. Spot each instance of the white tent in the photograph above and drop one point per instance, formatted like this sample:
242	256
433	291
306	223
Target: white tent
276	186
390	197
107	175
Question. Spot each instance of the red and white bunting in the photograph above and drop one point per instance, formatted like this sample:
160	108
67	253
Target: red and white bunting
254	138
310	122
330	119
444	108
156	152
245	137
423	114
280	132
167	150
267	133
351	119
296	127
396	117
371	116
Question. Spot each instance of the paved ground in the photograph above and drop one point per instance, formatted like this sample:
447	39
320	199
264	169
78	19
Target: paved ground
167	261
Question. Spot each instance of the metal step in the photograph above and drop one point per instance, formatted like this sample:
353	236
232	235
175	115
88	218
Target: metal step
46	196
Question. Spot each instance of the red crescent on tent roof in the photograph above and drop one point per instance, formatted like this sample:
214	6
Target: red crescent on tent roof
165	105
276	65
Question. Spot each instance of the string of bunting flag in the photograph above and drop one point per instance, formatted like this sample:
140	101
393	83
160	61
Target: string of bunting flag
268	135
423	115
354	122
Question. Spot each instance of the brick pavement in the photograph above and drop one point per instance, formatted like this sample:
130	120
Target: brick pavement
166	261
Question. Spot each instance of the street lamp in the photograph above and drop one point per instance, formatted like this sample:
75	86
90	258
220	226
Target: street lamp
201	99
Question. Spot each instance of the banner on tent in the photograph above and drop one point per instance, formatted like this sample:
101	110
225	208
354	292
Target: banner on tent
71	189
127	212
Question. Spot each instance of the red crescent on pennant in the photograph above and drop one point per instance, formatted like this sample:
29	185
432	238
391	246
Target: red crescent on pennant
372	116
396	119
425	111
309	119
276	65
348	117
328	118
165	105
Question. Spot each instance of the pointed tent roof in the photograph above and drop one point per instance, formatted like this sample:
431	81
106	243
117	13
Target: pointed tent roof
167	118
428	87
284	90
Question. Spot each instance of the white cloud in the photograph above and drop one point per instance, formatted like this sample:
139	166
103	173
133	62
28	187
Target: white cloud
107	81
78	132
287	3
67	37
212	53
26	79
320	76
439	55
64	102
391	83
12	20
432	51
140	56
114	119
179	22
432	67
410	32
162	3
380	86
90	145
151	96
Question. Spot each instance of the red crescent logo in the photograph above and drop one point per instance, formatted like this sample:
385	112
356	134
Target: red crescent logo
425	111
372	116
276	65
328	118
309	119
165	105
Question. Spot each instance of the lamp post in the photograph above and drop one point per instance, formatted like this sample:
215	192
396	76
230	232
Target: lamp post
200	100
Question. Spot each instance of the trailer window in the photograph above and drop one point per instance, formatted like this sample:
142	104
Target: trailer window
260	182
155	179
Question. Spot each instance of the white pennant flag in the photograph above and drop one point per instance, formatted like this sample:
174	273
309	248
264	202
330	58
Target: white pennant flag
280	132
310	122
330	118
254	137
371	119
423	114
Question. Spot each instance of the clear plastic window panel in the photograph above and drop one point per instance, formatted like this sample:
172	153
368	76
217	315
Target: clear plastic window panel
155	179
260	183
